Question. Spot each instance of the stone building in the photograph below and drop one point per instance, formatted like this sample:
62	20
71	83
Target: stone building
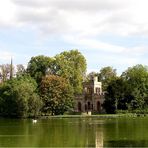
92	98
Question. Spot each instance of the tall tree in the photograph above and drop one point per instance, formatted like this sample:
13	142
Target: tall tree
116	96
57	95
72	66
106	75
137	79
38	67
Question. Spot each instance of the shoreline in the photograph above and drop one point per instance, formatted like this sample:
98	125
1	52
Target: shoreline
96	116
130	115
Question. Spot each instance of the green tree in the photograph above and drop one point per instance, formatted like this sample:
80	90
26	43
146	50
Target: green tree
38	67
16	95
57	95
115	97
137	79
72	66
106	75
129	91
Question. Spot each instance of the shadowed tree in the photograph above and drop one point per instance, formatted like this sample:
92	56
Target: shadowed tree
19	98
116	96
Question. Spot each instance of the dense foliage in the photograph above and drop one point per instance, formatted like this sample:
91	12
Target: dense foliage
116	96
56	94
38	67
19	98
70	65
129	91
106	75
49	85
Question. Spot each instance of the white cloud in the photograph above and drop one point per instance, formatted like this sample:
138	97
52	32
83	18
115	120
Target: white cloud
95	45
80	22
100	54
72	4
7	13
85	17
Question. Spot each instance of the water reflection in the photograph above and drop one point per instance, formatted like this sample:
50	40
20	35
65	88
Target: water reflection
99	139
74	132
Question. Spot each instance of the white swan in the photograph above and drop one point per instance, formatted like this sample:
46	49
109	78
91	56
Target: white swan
34	120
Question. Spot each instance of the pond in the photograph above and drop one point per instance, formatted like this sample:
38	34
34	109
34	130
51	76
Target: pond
74	132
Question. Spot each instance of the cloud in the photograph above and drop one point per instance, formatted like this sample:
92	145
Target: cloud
85	17
82	5
80	23
97	60
7	14
96	45
101	53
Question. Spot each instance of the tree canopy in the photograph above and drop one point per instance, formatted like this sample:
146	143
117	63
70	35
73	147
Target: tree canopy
19	98
137	79
38	67
129	92
106	75
57	95
72	66
50	84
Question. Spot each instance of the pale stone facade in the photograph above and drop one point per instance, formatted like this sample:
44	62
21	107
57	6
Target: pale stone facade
92	97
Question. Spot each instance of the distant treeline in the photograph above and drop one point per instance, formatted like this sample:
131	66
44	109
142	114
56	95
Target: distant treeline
48	86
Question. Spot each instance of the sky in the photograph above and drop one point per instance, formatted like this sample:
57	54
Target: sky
107	32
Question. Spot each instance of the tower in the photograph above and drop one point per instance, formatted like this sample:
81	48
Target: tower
97	86
11	69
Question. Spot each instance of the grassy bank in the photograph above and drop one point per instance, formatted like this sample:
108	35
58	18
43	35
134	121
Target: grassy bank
94	116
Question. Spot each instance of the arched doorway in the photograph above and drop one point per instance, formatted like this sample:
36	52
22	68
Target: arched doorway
79	107
89	106
98	106
86	107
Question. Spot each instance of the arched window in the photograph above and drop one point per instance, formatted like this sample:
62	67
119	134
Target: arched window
98	106
79	107
89	90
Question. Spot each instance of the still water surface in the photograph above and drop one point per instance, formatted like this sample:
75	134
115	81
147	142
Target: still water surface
74	132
